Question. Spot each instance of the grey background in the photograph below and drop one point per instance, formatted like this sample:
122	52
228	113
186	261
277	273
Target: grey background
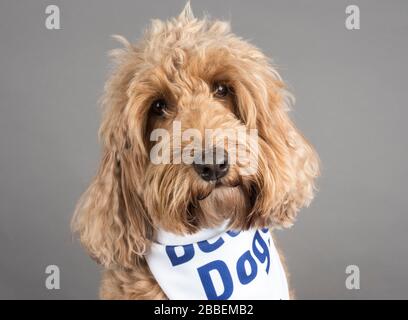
351	90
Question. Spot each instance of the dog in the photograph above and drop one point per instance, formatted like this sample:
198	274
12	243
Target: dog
194	72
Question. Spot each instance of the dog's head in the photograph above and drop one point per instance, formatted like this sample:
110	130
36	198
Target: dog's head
172	96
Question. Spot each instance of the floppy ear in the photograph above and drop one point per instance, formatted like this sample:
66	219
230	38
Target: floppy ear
110	218
300	165
288	164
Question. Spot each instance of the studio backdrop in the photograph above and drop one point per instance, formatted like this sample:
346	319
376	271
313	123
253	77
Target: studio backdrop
344	61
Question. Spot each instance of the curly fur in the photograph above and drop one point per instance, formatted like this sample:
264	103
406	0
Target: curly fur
130	197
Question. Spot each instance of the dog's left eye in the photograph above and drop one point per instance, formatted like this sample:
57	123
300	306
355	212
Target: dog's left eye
159	106
221	90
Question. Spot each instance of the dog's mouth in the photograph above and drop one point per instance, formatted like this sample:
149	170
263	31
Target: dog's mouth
220	201
218	184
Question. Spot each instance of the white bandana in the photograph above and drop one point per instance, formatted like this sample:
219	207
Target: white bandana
218	264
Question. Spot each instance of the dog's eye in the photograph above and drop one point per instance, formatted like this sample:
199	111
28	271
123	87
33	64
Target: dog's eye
159	106
221	90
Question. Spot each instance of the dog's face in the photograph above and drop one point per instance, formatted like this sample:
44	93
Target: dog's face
193	76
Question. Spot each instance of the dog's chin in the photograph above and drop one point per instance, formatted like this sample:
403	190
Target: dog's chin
223	202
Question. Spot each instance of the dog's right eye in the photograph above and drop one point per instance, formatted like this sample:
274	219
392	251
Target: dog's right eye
159	106
221	90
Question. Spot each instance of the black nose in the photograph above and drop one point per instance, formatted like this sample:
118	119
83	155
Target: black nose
212	168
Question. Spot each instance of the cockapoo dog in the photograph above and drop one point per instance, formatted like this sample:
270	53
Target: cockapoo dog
182	229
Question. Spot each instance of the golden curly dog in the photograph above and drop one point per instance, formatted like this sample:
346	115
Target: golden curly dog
199	73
